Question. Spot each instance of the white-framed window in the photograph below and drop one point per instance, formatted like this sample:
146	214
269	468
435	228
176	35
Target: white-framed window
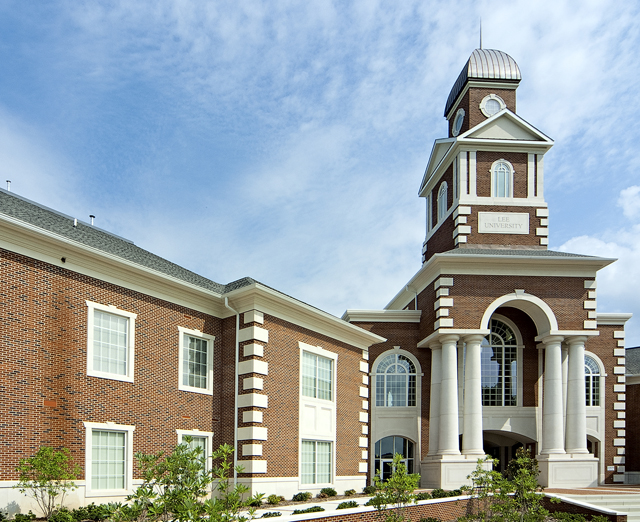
396	381
196	361
492	104
317	376
384	451
110	342
592	381
499	366
108	458
501	179
316	462
199	439
442	201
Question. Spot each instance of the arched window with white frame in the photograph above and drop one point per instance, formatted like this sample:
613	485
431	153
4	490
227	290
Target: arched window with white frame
499	366
592	381
396	381
442	201
502	179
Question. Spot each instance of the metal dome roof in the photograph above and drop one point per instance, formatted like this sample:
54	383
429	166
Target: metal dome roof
484	64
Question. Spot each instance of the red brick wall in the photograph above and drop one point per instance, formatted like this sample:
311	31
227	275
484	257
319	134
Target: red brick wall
470	102
43	349
282	386
632	460
484	161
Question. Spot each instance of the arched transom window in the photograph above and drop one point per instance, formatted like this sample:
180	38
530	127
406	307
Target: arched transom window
442	201
386	448
592	381
499	366
396	381
502	179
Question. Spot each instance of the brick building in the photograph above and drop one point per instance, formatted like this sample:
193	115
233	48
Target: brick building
495	343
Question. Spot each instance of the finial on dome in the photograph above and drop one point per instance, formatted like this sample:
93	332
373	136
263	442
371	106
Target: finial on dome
480	32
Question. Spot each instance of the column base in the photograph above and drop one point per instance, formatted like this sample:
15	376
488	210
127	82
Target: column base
448	471
568	471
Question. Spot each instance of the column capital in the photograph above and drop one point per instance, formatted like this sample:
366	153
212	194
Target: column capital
435	345
576	339
552	339
473	338
448	338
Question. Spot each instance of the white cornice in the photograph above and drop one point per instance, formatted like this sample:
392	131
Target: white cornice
37	243
437	165
382	316
500	265
612	319
34	242
269	301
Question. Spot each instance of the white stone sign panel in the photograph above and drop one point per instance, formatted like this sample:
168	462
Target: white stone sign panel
503	222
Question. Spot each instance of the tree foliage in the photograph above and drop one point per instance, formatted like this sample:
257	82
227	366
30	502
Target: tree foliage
396	493
47	477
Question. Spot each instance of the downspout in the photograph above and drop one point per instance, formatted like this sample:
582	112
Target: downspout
235	401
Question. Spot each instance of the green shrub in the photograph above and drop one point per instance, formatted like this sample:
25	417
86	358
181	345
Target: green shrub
599	518
369	490
24	517
370	502
311	509
568	517
62	515
301	497
423	496
438	493
254	502
274	500
349	492
430	519
330	492
270	514
47	477
3	516
347	504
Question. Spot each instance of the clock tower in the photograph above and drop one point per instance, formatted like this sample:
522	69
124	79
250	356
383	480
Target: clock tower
483	184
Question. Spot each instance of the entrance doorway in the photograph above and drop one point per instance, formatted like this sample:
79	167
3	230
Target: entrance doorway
502	446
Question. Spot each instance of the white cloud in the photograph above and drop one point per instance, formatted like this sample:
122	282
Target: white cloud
629	200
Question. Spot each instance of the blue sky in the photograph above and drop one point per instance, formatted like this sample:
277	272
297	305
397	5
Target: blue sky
286	140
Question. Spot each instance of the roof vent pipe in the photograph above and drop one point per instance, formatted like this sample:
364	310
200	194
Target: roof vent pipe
8	185
92	218
75	222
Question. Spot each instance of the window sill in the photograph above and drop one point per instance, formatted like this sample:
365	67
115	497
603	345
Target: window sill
110	376
201	391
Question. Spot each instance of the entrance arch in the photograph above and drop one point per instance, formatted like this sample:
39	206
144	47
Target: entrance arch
539	311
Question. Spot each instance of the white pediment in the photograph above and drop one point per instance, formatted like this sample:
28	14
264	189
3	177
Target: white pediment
505	126
439	151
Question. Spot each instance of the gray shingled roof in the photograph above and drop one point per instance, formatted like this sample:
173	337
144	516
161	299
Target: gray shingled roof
508	252
632	360
52	221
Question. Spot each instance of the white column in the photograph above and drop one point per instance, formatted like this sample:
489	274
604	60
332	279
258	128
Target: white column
448	435
552	417
472	173
576	438
472	421
434	400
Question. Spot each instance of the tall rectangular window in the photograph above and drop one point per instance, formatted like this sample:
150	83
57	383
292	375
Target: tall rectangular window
110	343
108	452
110	347
317	376
316	462
196	361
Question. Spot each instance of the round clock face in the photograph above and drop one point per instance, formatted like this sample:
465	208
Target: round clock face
457	122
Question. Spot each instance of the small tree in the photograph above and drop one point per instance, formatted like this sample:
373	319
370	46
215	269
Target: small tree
396	491
47	477
179	486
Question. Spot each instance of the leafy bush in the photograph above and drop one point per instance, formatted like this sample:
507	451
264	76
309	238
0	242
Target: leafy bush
396	493
599	518
24	517
330	492
347	504
322	495
370	502
568	517
423	496
256	500
349	492
62	515
301	497
46	477
274	500
93	512
438	493
430	519
3	516
270	514
311	509
369	490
